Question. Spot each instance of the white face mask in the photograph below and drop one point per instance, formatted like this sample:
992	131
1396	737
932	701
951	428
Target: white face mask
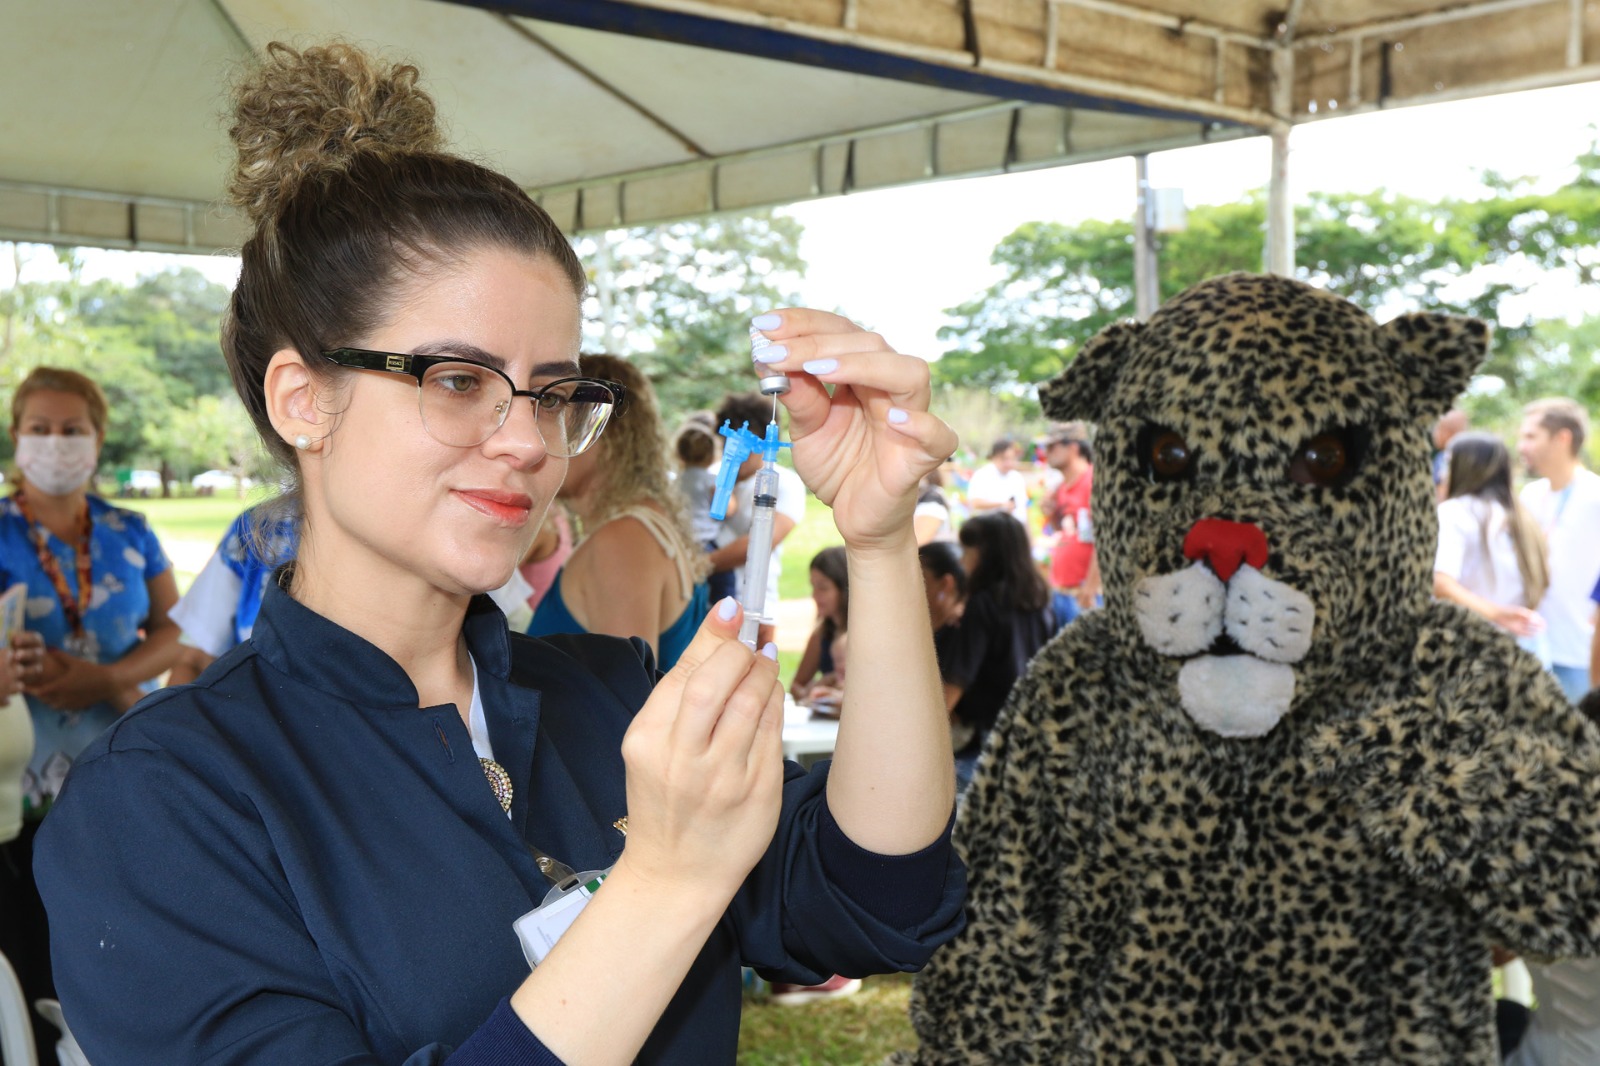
57	465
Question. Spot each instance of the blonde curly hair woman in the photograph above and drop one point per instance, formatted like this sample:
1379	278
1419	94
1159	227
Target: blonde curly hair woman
636	571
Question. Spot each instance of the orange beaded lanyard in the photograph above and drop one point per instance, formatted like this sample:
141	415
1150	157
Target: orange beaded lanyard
74	609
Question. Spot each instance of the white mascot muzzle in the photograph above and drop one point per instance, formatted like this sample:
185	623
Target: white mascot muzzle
1240	631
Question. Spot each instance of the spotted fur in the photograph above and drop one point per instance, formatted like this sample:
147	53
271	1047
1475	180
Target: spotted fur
1145	890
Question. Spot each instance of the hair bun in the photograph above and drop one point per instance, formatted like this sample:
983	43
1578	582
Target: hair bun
302	112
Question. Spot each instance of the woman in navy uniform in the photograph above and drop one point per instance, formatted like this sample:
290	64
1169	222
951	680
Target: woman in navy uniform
316	853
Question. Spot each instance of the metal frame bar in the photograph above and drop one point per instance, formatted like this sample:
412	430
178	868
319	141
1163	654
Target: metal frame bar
1544	80
1290	23
1005	163
53	233
1433	18
1172	23
1575	33
787	148
711	25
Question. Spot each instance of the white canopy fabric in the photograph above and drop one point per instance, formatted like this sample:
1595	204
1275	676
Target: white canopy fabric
622	112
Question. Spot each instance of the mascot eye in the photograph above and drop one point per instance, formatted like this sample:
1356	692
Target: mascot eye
1167	456
1327	459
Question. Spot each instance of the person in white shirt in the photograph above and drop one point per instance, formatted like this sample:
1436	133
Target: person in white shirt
1492	557
998	485
931	520
1565	501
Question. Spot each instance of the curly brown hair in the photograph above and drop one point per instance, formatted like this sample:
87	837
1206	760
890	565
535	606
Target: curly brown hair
341	168
631	457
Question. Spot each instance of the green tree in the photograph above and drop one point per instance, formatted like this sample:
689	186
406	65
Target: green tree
679	298
1062	284
1556	358
136	393
1555	231
209	433
176	314
151	346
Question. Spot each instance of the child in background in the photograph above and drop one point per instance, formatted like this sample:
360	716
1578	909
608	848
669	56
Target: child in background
819	679
697	448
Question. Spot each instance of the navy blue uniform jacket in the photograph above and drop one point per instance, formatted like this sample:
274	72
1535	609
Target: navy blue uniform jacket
290	862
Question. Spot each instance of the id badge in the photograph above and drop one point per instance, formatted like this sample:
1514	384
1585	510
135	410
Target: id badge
540	928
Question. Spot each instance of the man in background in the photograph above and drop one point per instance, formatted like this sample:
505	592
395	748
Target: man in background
998	485
1565	501
1072	569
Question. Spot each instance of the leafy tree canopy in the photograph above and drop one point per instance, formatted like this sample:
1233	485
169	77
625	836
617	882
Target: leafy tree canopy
679	299
1061	284
152	347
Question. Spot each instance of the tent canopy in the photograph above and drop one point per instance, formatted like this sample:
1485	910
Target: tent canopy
621	112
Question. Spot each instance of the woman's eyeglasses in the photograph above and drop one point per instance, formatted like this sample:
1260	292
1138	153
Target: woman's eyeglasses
463	402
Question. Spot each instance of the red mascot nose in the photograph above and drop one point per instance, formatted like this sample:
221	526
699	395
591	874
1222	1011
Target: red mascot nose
1226	545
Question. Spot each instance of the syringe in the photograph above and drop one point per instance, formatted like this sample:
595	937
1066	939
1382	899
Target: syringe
758	552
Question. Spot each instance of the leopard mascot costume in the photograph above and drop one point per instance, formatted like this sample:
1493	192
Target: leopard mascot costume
1273	804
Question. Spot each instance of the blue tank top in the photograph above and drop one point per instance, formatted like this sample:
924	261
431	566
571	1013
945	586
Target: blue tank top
552	615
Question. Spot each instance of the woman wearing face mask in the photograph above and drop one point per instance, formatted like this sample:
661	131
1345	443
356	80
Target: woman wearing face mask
99	585
318	851
99	588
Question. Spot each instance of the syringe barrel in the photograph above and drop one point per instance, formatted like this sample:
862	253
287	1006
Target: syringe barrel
758	553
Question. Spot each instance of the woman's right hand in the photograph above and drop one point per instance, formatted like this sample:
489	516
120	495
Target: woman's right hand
704	760
23	662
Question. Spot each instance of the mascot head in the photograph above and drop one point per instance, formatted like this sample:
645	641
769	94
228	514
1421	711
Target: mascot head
1262	499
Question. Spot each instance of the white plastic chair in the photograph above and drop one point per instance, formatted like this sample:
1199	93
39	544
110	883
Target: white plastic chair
16	1028
68	1053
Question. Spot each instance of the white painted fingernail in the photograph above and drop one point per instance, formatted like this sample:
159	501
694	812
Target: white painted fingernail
772	353
898	417
821	366
727	608
770	650
767	321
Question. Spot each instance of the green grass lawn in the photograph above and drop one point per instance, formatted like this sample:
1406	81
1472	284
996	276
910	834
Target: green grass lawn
854	1031
202	518
813	533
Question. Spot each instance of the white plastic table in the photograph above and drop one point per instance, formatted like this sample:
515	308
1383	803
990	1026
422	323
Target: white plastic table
805	735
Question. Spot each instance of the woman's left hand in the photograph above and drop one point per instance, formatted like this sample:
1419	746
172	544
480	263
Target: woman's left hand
864	450
71	683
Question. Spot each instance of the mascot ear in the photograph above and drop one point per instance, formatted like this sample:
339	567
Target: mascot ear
1079	392
1436	355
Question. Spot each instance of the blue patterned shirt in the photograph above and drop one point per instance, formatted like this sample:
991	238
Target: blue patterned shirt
124	556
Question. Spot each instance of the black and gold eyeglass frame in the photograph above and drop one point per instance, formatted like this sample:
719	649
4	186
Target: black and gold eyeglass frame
464	402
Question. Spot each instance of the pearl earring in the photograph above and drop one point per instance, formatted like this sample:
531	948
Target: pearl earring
302	442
